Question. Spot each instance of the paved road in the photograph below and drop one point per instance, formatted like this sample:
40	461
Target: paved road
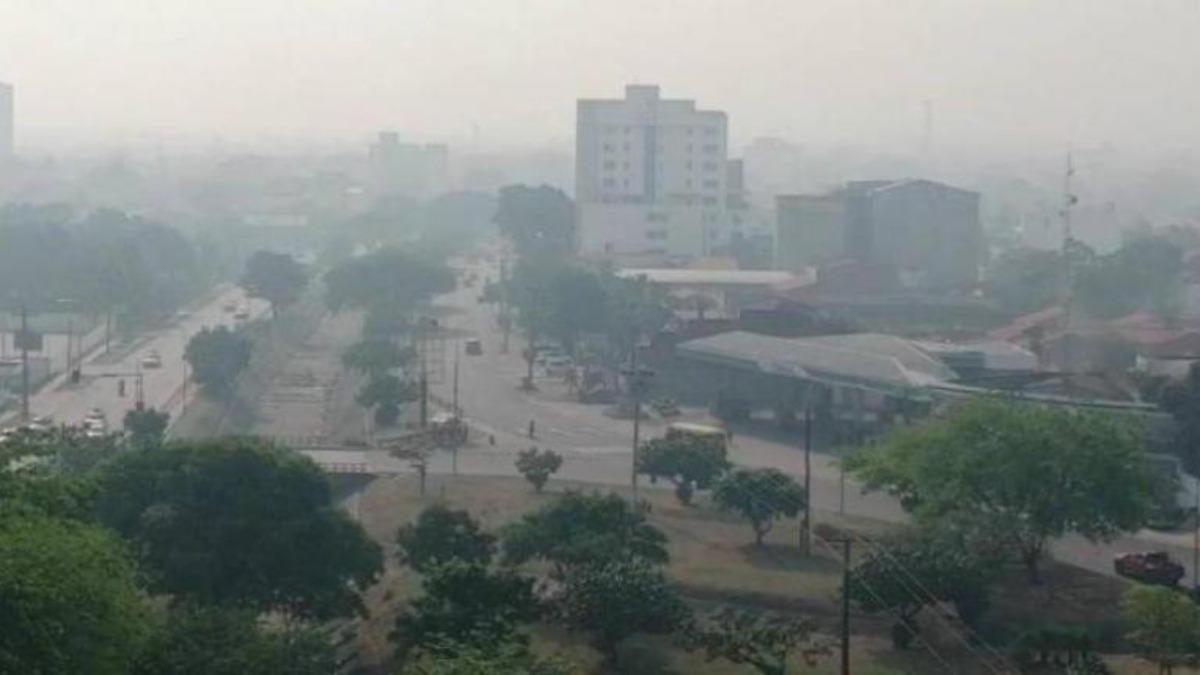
597	447
163	388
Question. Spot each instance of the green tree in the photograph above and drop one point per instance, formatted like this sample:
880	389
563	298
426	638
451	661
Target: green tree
762	641
146	427
467	603
1039	472
377	356
239	520
385	393
450	658
902	574
276	277
388	275
616	599
537	219
1164	626
577	528
68	598
215	640
537	467
691	463
761	496
1024	280
1144	273
217	357
442	534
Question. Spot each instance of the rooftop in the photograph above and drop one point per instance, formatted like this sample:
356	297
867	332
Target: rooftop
709	277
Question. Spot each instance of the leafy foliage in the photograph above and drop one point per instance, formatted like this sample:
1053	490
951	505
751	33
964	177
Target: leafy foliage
449	658
242	521
107	262
70	603
276	277
537	466
537	219
146	427
1025	280
1164	626
217	357
387	275
691	463
467	603
761	496
577	528
616	599
904	573
215	640
1037	473
385	393
762	641
377	356
441	535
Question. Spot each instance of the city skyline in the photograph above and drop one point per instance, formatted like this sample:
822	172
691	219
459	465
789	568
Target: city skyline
992	75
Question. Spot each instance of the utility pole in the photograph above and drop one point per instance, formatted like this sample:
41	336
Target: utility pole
634	390
455	388
1196	536
457	417
24	364
806	523
424	383
1068	250
845	606
505	321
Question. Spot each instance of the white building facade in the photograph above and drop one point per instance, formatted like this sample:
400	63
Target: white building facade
651	177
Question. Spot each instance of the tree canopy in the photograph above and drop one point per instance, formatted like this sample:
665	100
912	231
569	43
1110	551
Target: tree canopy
146	427
761	496
537	466
763	641
537	219
217	357
578	528
467	603
1037	472
216	640
440	535
375	356
68	598
390	275
242	521
276	277
1163	625
616	599
691	463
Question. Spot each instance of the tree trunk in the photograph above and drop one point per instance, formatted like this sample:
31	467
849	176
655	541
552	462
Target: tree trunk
1032	556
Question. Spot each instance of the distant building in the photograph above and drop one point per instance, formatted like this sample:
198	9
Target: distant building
651	177
7	123
929	232
409	169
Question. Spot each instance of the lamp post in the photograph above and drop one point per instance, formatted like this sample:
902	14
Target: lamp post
637	378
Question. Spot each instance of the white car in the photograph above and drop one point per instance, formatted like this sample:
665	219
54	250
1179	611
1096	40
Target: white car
151	361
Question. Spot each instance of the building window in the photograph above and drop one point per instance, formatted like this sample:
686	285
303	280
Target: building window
609	165
710	166
710	131
626	148
627	129
625	182
710	147
658	234
657	217
689	183
610	183
625	165
608	147
710	201
711	184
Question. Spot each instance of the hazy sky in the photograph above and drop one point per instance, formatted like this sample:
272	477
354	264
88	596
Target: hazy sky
1000	73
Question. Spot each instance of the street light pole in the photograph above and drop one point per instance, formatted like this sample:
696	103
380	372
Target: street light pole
24	364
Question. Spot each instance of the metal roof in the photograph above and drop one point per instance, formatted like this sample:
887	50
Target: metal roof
865	361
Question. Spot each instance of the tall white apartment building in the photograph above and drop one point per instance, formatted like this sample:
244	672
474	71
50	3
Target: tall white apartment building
650	177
